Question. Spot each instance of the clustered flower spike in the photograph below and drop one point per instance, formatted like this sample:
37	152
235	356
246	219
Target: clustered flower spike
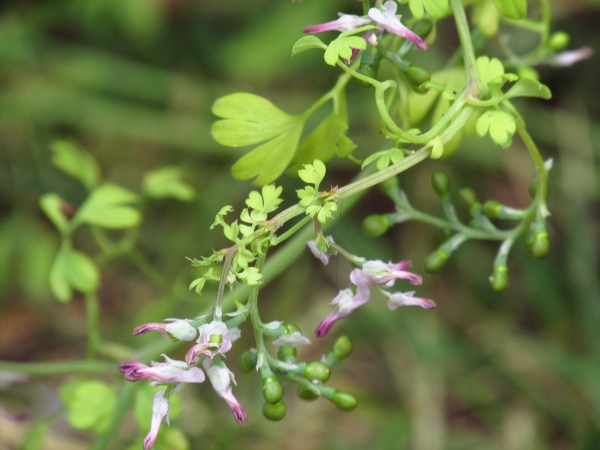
375	273
214	340
385	19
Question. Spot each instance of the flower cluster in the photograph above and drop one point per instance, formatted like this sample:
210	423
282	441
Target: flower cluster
214	340
371	273
385	19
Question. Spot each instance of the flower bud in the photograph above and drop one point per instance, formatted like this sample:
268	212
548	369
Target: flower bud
317	371
306	393
468	198
342	347
274	412
558	41
247	361
343	400
434	262
287	354
499	279
540	246
417	75
422	28
389	185
376	225
290	327
272	390
440	182
492	208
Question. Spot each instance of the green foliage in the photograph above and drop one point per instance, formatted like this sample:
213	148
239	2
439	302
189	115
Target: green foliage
51	204
435	8
327	140
499	124
384	158
90	404
342	48
527	87
513	9
109	206
76	162
73	270
307	43
168	182
249	119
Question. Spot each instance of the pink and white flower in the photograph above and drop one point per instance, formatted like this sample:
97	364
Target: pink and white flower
380	273
171	371
397	299
176	330
221	378
344	303
160	411
214	339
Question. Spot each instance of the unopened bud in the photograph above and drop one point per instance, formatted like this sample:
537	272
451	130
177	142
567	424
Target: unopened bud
389	185
540	247
440	182
468	198
434	262
290	327
274	412
306	393
272	390
342	347
287	354
558	41
491	209
376	224
317	371
422	28
499	279
343	400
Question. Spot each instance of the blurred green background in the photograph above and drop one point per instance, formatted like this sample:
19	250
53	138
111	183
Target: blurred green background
133	81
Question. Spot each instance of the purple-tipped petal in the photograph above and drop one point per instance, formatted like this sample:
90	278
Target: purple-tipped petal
389	21
346	22
160	410
344	304
221	378
397	299
176	330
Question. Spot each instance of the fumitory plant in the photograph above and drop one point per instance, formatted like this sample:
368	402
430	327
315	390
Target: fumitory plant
423	113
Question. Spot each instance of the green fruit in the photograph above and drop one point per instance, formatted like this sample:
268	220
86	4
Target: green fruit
434	262
499	279
342	347
468	198
344	401
440	182
540	247
317	371
247	361
286	353
306	393
272	390
558	41
376	224
274	412
290	327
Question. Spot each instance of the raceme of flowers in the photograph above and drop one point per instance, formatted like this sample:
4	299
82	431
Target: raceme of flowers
386	19
214	340
372	273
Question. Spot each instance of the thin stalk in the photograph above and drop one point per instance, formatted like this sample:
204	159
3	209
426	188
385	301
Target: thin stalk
464	34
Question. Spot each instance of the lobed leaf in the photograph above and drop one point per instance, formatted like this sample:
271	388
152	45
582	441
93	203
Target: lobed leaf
109	206
307	43
76	162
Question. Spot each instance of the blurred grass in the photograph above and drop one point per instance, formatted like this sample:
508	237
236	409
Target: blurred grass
134	80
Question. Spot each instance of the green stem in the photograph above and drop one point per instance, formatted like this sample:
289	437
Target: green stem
474	86
93	324
58	367
253	308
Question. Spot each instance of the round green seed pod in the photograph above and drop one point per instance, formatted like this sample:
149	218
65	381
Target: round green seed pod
274	412
499	279
540	247
272	390
306	394
440	181
376	224
468	198
436	261
317	371
290	327
344	401
342	347
491	208
558	41
247	361
287	354
422	28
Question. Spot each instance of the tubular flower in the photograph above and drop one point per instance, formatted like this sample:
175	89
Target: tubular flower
221	378
397	299
568	58
177	330
171	371
345	302
385	19
322	256
160	411
378	272
214	339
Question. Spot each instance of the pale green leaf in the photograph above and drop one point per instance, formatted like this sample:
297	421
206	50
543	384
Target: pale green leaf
76	162
486	17
513	9
499	124
307	43
90	405
490	71
168	182
528	87
72	270
313	173
437	147
51	204
435	8
326	140
109	206
270	159
342	48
